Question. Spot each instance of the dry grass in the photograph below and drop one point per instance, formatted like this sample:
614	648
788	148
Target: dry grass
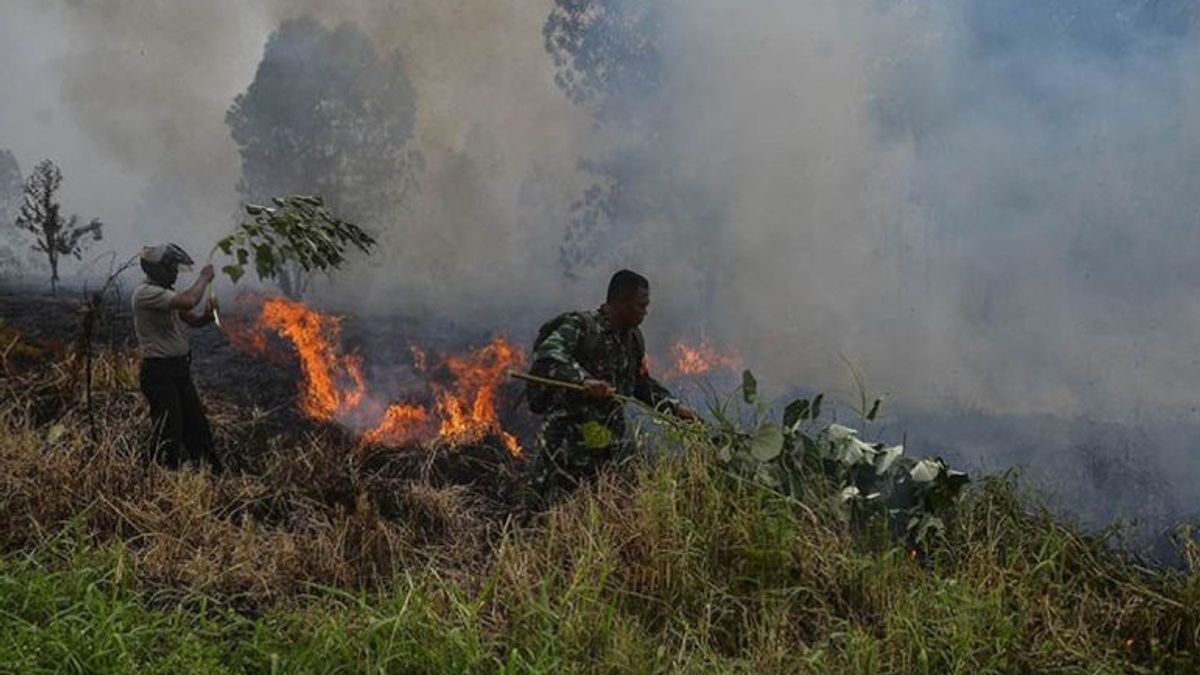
325	551
315	514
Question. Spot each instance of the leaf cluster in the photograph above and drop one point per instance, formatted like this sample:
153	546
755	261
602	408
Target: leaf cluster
298	229
605	51
872	481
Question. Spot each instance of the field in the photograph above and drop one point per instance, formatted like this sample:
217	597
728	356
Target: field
324	553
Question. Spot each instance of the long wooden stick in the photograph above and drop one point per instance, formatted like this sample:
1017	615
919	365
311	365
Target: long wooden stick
572	386
529	377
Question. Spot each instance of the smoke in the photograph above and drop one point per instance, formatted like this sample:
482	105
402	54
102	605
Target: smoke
126	98
983	206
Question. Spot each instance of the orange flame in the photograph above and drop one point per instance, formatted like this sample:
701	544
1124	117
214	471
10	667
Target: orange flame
703	357
334	382
402	423
469	410
334	388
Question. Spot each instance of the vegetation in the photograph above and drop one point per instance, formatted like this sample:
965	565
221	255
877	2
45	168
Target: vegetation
297	230
326	554
326	114
55	235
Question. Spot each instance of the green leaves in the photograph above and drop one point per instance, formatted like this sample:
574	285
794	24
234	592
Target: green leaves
749	387
873	481
801	410
767	442
234	272
298	229
874	410
925	471
596	436
884	460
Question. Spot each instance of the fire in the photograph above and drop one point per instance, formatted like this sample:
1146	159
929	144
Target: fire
334	381
402	423
464	409
460	392
702	357
468	409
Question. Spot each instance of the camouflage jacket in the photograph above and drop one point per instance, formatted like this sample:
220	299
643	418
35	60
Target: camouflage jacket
617	357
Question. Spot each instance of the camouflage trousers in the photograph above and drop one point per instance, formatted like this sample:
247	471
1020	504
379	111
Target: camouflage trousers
568	455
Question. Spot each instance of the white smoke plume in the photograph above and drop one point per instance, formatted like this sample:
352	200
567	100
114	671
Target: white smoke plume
982	207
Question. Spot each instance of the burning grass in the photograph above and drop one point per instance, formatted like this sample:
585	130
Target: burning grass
315	507
460	389
327	549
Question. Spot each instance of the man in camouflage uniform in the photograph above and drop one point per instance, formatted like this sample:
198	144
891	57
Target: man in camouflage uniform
603	351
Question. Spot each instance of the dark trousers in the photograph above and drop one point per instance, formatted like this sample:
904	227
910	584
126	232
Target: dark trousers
176	414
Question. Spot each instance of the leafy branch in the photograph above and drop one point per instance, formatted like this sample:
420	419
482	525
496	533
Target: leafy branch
298	229
871	480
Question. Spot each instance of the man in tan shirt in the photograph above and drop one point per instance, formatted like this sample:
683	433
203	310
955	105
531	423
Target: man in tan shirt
159	314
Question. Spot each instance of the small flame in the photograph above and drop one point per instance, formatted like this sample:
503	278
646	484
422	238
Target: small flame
402	423
702	358
468	409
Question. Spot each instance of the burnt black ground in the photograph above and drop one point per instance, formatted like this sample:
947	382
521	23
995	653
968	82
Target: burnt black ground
254	381
1095	471
244	378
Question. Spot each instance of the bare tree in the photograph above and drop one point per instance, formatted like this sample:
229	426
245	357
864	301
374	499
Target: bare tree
41	215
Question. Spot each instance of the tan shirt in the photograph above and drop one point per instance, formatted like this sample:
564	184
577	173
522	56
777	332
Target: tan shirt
158	327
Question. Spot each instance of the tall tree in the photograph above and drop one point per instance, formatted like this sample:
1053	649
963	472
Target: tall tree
610	57
326	115
41	215
605	52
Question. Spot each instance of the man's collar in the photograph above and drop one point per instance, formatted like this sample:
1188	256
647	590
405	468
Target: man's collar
605	321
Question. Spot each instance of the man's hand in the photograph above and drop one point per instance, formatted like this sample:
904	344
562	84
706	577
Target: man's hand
192	296
598	389
687	414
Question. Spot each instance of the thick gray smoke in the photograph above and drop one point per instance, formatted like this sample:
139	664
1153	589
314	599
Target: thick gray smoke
128	98
984	206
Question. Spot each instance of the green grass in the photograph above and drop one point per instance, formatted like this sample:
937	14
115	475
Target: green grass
321	561
673	570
